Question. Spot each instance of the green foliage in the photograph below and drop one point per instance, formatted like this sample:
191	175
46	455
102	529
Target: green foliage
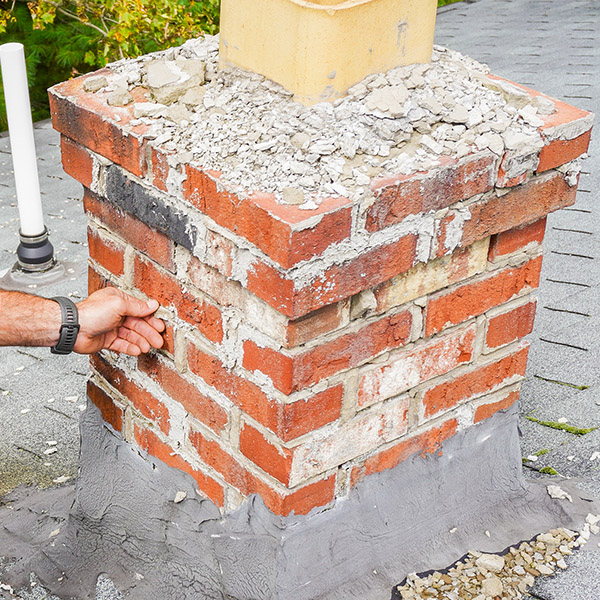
548	471
64	38
52	55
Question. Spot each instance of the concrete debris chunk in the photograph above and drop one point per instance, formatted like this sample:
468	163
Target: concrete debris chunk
180	497
148	109
161	73
544	105
119	98
491	562
95	83
492	587
388	99
556	492
529	115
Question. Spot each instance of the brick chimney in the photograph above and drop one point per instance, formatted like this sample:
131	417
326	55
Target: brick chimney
334	346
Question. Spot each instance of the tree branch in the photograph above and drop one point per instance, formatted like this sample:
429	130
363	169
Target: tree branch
87	23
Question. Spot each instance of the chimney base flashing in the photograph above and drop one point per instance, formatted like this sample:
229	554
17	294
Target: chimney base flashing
125	517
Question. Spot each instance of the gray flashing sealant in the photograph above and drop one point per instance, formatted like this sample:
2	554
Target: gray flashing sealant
123	522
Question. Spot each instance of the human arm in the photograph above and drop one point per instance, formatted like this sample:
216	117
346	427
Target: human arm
109	319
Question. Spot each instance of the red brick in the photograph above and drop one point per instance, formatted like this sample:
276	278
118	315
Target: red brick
201	407
485	411
283	232
163	287
336	283
96	281
274	460
301	500
151	443
404	195
424	443
559	152
148	241
286	420
520	206
221	252
475	298
111	413
413	366
320	321
476	382
274	288
510	326
141	399
160	168
88	120
77	161
169	339
106	252
515	240
293	373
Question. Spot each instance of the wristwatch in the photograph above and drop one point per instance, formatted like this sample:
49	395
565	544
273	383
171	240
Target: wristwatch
69	328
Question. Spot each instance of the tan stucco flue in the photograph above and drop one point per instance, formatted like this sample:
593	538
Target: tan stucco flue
319	49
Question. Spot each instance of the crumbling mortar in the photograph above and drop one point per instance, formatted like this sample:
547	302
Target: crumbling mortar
234	426
349	399
570	130
572	170
515	259
479	342
342	483
180	348
418	321
128	425
128	267
233	500
464	414
98	175
414	409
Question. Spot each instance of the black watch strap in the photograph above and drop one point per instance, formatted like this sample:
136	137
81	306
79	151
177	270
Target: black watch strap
69	328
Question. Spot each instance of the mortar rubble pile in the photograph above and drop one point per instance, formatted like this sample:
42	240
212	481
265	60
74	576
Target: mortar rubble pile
484	576
251	130
345	285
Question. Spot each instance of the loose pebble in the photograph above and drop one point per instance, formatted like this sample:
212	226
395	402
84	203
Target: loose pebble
180	497
556	492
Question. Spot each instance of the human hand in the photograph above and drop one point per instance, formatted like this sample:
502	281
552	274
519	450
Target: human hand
113	320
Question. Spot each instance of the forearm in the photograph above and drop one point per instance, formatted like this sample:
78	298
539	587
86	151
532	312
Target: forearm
27	320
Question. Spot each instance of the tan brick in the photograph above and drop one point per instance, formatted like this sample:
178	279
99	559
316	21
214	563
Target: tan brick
341	443
426	278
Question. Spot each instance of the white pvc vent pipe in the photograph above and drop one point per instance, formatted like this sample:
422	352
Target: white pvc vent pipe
22	144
